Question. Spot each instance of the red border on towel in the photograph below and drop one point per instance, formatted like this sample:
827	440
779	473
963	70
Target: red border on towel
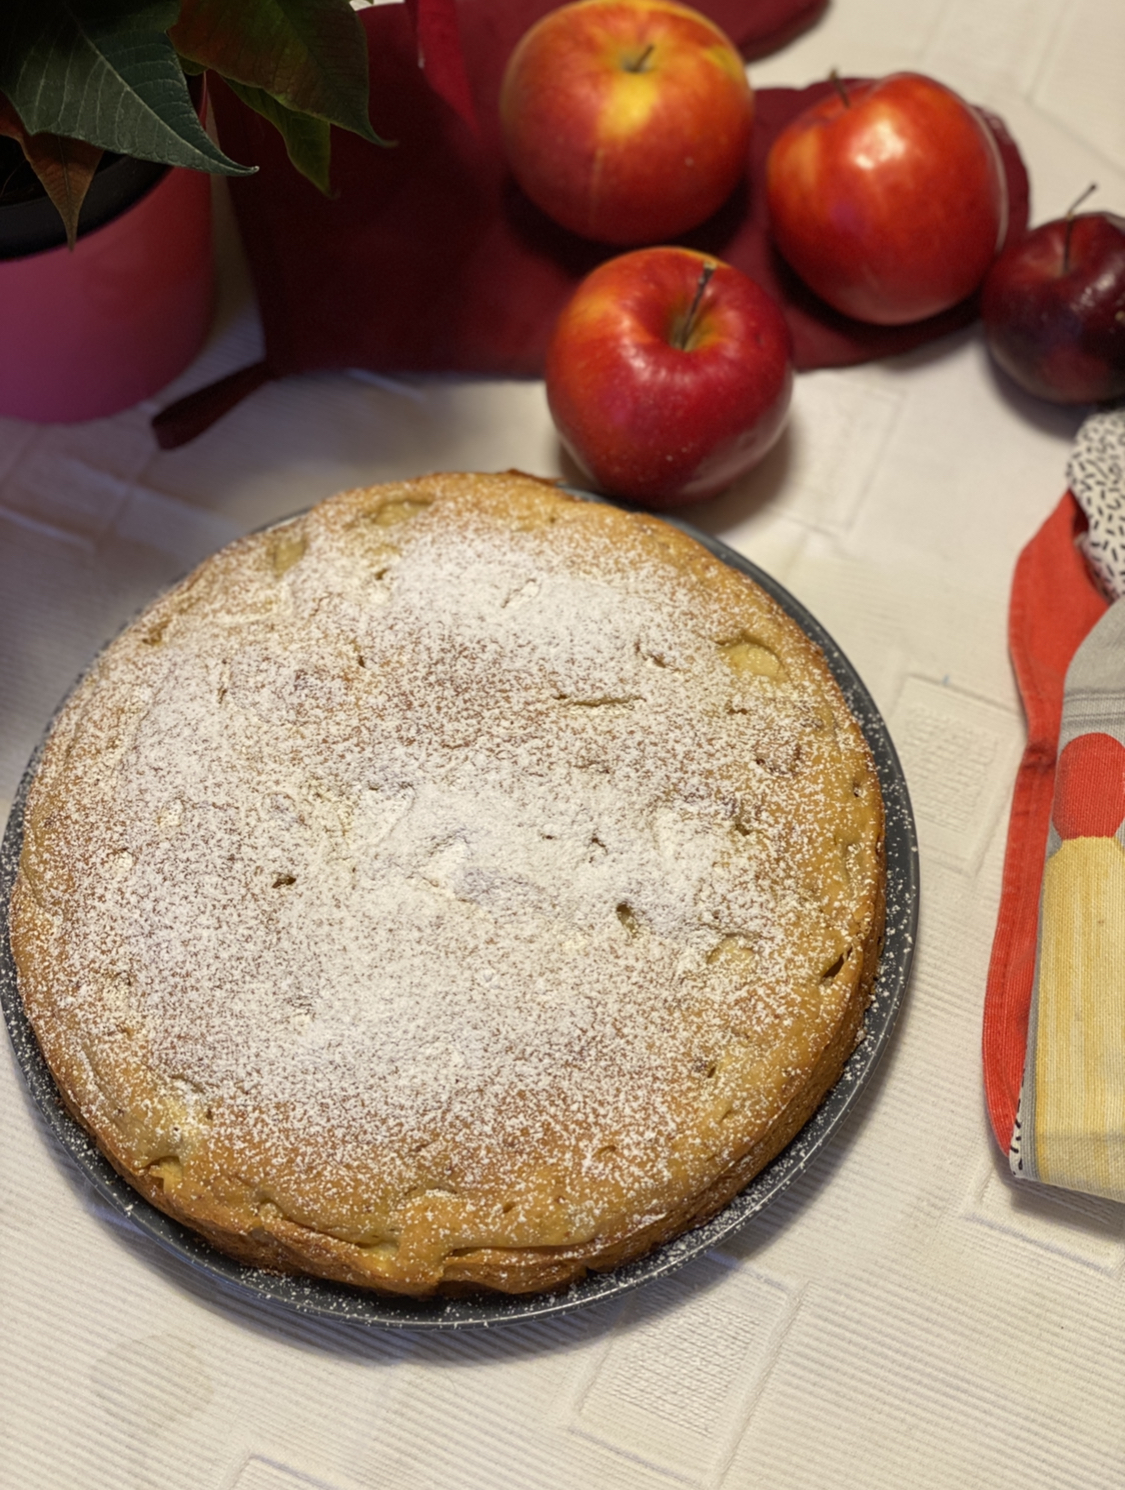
1054	606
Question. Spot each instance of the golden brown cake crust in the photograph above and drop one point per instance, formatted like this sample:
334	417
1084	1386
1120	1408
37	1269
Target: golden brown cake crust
460	886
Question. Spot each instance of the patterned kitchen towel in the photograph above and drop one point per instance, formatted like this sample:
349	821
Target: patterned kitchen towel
1054	1043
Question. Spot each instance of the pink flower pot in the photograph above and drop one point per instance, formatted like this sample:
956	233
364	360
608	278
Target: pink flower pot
88	333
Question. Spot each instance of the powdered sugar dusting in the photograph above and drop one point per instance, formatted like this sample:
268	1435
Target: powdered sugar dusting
448	847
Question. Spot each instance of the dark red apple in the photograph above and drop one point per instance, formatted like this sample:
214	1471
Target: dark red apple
668	374
626	120
1054	309
888	198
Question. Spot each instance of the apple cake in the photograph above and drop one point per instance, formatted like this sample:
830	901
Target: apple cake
460	886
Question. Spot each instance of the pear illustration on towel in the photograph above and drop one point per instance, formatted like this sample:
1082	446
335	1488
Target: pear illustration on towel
1079	1108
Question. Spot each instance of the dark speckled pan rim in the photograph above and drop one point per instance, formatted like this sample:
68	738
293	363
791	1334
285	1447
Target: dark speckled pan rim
312	1296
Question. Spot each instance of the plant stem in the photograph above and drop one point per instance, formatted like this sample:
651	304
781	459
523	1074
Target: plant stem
639	64
688	326
1070	211
837	83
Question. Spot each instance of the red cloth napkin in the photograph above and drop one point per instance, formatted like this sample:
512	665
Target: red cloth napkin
1055	604
430	259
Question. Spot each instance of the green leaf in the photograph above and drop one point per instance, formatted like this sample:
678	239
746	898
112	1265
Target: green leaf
64	167
104	71
308	140
310	55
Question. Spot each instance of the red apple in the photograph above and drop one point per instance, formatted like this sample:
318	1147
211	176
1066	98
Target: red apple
626	120
1054	309
668	375
888	198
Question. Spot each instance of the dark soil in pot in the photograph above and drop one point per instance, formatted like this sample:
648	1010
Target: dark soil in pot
29	222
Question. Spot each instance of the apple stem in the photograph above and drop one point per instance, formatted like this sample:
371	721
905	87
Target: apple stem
688	325
639	64
837	83
1070	211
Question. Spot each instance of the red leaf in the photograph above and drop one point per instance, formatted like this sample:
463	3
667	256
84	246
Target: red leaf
440	54
308	55
65	167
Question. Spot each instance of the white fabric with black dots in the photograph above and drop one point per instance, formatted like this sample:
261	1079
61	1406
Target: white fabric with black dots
1096	476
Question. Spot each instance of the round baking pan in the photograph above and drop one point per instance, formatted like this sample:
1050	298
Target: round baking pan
315	1296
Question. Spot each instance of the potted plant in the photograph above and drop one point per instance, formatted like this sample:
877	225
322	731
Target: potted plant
105	251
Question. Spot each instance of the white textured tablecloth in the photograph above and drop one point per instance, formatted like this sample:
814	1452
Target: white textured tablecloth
901	1317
